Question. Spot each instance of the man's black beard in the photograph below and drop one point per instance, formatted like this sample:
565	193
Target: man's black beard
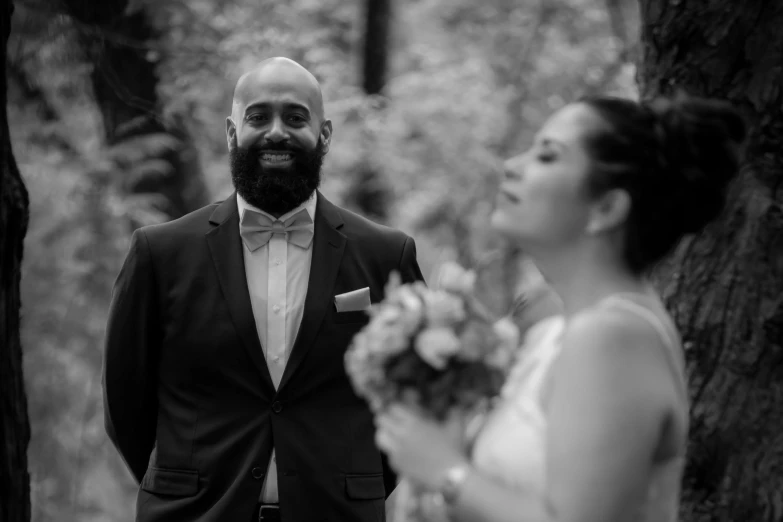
271	190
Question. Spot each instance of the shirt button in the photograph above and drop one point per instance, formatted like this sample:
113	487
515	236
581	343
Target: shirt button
276	308
276	358
277	261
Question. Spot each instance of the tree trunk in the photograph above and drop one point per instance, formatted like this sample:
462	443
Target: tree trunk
120	45
725	288
370	192
14	422
376	45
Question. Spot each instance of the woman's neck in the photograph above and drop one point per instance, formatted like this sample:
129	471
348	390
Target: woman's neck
581	279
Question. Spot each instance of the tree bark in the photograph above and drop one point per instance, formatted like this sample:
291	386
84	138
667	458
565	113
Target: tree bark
725	288
376	45
14	216
370	192
121	46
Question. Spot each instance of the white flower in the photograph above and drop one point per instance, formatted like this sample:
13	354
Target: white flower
508	335
408	299
383	339
436	346
453	278
393	283
474	339
385	315
443	309
365	359
411	309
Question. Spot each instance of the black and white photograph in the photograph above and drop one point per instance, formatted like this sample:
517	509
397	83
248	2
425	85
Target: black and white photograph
391	261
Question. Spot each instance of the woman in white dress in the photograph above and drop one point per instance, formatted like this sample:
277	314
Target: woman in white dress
592	423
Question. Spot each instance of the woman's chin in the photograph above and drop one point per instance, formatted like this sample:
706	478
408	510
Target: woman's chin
503	225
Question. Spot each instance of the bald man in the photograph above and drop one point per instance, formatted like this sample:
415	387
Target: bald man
224	385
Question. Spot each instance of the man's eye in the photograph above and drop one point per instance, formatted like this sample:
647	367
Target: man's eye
546	157
296	118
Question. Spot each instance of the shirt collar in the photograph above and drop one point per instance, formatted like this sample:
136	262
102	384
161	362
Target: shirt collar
308	205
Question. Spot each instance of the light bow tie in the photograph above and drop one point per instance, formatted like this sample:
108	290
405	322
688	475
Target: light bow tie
256	229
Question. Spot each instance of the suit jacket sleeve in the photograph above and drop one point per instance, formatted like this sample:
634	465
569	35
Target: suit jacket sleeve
408	266
129	369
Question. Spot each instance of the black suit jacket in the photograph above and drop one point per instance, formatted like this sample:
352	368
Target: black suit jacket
188	398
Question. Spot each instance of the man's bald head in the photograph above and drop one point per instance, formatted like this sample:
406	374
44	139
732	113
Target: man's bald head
277	76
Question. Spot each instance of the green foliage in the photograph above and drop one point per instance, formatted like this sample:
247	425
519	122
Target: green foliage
469	84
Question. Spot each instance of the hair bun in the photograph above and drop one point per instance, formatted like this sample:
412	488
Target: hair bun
701	141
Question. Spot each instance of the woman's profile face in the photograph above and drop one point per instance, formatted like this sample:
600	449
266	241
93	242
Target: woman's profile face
542	199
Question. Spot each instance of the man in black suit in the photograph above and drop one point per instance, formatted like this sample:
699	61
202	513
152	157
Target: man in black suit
224	384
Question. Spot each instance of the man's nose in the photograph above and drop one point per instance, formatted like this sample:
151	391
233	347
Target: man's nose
277	132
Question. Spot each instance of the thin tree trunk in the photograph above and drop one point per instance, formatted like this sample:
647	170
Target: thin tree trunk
370	192
14	422
725	288
120	44
16	75
376	45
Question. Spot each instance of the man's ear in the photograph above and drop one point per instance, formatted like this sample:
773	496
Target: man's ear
231	133
326	135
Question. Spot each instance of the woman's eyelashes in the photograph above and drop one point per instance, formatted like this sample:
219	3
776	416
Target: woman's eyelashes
545	155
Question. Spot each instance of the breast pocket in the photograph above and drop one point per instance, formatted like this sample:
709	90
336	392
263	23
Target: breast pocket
359	317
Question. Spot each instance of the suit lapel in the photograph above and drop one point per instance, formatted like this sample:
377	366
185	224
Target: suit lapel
328	248
226	248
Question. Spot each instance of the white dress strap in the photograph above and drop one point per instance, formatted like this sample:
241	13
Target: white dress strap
541	347
663	325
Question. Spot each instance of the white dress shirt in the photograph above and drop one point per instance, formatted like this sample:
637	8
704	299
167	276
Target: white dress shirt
277	276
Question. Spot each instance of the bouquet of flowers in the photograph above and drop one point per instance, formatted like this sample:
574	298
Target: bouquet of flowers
438	350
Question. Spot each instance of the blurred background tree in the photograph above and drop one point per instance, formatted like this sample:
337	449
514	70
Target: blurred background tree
14	216
370	192
725	288
117	114
152	148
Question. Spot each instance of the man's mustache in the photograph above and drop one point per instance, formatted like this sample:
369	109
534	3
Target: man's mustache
274	148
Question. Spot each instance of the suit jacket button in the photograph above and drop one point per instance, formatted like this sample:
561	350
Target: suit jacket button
257	473
277	407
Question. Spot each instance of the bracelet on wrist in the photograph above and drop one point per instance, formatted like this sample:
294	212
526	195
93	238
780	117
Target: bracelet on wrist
453	480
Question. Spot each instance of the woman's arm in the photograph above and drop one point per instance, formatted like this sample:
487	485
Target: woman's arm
483	499
605	414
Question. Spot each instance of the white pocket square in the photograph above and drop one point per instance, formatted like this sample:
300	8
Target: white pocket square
355	301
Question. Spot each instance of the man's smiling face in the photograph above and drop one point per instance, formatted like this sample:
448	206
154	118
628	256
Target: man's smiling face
277	136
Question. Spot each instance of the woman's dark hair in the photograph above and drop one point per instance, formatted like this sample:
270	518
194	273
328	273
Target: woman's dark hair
674	156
